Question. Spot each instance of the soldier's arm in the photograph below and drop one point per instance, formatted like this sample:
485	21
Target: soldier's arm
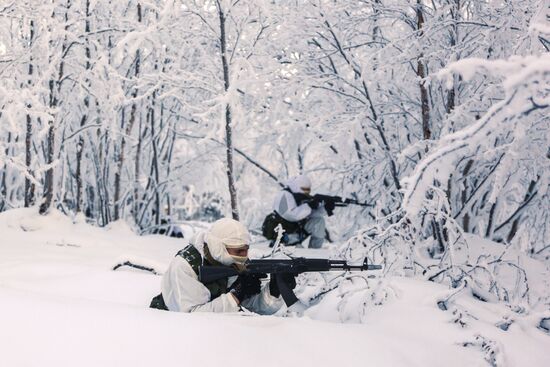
183	292
263	303
287	208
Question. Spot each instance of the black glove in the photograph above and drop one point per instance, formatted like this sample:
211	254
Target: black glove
245	287
329	207
287	278
313	203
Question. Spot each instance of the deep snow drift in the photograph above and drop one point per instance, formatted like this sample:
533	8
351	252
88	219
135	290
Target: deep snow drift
61	304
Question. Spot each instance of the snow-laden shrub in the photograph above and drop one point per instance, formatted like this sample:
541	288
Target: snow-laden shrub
424	238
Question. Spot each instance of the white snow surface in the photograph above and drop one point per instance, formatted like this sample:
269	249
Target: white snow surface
61	304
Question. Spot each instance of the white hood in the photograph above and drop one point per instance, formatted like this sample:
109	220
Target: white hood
226	233
296	183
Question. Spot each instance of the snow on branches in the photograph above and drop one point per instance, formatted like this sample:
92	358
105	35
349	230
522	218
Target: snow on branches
515	128
427	238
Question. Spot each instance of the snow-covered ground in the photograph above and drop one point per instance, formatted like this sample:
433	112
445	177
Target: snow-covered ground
61	304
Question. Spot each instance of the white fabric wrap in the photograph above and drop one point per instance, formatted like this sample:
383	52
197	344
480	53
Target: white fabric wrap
182	291
286	207
226	233
295	184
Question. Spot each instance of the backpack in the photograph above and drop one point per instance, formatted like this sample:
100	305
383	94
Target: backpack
273	220
158	303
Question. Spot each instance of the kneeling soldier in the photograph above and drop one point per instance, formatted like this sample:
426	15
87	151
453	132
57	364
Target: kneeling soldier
300	214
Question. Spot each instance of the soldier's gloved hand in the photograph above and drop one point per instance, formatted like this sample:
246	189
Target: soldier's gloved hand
288	278
245	287
313	203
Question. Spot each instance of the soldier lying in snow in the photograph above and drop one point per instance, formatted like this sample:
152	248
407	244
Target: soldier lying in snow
226	243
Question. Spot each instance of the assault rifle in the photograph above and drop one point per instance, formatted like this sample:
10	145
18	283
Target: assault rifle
278	267
338	201
331	202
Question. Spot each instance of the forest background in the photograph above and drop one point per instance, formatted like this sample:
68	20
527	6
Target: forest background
435	112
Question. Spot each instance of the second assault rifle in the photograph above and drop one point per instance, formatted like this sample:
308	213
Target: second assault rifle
331	202
276	267
338	201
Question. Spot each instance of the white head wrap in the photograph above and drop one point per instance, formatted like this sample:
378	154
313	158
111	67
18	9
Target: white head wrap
296	183
226	233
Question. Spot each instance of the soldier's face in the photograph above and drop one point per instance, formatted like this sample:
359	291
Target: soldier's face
240	252
306	190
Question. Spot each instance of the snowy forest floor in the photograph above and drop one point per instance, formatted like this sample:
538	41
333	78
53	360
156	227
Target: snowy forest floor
61	304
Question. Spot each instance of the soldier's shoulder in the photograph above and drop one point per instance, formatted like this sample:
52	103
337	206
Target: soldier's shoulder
190	254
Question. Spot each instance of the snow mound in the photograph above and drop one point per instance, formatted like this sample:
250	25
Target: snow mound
61	304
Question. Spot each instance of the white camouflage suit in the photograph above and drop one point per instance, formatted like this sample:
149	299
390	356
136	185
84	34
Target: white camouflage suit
285	205
182	291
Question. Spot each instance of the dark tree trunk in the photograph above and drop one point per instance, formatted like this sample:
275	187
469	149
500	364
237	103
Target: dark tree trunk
421	72
29	186
137	167
515	218
80	144
489	230
4	171
454	39
228	129
155	162
132	119
50	145
55	89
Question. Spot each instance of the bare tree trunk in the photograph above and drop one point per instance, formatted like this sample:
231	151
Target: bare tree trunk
516	215
55	91
80	144
376	33
3	183
228	129
103	174
421	72
168	162
105	203
29	187
50	145
426	132
119	158
155	162
451	94
50	142
120	161
300	156
464	195
137	166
